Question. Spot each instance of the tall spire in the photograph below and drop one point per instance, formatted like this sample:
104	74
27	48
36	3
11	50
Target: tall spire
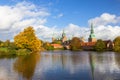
92	37
92	30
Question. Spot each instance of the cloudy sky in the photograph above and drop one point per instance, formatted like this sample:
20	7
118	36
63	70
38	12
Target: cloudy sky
50	17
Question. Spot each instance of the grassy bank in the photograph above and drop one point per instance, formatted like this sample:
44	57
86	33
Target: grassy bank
4	51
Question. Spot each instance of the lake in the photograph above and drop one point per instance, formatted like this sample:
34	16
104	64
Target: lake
62	65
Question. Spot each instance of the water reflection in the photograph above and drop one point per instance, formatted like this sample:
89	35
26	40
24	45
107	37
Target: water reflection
26	65
62	65
79	65
104	66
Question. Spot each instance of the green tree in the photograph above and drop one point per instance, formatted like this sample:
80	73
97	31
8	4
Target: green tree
100	45
116	44
57	42
1	42
75	43
48	46
5	44
27	40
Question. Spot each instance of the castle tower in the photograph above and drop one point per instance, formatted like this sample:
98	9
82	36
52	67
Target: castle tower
53	38
64	38
82	39
92	37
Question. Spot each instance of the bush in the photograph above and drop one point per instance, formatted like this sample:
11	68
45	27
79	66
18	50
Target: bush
7	51
50	48
75	44
100	45
23	52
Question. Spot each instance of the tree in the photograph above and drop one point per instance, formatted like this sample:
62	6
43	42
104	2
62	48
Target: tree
48	46
27	40
116	44
100	45
75	43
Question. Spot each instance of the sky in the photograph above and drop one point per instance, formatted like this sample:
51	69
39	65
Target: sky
50	17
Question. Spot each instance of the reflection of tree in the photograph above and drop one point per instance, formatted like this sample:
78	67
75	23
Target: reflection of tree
26	65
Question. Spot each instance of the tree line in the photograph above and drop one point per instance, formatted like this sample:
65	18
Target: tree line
26	42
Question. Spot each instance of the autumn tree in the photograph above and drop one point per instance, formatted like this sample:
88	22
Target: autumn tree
75	43
117	44
27	40
100	45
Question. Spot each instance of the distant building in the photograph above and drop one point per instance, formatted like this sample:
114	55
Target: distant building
57	46
91	40
64	38
92	37
60	42
82	39
109	44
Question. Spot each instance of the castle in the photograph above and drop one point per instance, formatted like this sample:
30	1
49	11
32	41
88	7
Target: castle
62	39
59	43
63	42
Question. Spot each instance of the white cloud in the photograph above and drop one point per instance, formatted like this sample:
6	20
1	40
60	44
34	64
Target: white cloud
105	19
15	18
103	28
59	16
107	32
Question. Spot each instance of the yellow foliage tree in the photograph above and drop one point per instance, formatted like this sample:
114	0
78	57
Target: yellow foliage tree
28	40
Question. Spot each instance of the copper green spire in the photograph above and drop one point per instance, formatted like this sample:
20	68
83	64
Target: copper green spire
92	35
92	30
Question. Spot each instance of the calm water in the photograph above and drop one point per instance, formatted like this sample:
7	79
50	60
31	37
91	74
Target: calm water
62	65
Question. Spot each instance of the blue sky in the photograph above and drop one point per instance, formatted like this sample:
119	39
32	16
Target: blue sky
56	15
78	11
73	11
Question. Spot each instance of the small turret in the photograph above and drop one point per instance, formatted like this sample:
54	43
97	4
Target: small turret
63	34
64	38
53	38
